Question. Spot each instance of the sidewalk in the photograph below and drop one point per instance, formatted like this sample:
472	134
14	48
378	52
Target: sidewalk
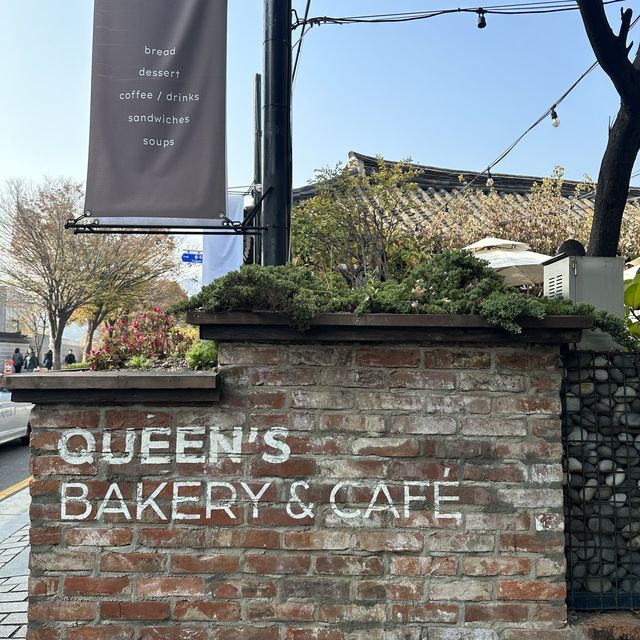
14	564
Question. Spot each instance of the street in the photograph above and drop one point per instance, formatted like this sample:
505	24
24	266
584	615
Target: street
14	464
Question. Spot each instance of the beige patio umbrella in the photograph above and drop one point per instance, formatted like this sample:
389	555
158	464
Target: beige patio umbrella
514	260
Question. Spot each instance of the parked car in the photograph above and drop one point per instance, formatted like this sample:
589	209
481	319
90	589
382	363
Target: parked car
14	418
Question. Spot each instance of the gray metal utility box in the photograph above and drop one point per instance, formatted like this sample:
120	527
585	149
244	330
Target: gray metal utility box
596	281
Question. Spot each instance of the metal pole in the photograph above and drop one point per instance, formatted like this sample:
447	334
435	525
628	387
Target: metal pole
276	211
257	163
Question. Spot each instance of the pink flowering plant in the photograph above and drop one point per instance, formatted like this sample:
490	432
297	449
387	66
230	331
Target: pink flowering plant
153	335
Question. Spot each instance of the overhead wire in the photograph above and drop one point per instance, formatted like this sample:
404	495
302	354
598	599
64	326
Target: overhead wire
527	8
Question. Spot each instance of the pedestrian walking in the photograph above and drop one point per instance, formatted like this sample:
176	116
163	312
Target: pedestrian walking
47	361
18	360
30	361
70	358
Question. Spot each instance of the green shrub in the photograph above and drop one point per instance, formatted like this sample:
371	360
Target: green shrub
139	362
203	355
452	282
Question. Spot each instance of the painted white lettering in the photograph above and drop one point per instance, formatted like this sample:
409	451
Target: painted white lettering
83	456
113	494
339	512
271	440
408	498
129	443
306	510
225	506
219	442
182	444
255	496
381	487
177	500
147	445
149	501
438	499
65	499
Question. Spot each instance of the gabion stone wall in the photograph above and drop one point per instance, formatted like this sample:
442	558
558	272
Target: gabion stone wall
601	402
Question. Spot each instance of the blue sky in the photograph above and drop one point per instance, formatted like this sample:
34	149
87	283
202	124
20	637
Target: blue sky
441	91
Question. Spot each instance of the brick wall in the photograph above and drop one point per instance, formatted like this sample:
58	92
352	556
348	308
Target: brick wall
335	493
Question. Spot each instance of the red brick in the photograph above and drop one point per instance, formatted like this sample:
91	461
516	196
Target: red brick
207	611
422	470
352	613
278	517
292	468
384	590
424	613
493	473
104	632
252	355
428	566
44	535
283	377
61	561
275	564
248	538
248	633
56	466
422	380
526	405
44	488
98	537
488	612
531	590
389	541
525	361
314	633
44	440
170	538
316	589
89	586
424	425
495	566
351	422
136	419
132	562
541	542
43	586
316	540
43	634
467	359
386	447
384	357
244	588
80	418
465	589
134	610
285	612
180	632
254	399
65	611
162	587
349	565
194	563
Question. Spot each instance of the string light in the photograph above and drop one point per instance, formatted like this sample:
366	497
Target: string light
489	179
555	121
482	21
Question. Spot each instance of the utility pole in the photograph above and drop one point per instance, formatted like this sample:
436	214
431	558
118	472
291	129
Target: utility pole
257	163
277	172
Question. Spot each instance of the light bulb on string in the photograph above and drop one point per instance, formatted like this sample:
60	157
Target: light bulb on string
482	21
489	179
555	121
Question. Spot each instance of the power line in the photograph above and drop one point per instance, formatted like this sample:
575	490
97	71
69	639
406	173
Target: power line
527	8
300	41
512	146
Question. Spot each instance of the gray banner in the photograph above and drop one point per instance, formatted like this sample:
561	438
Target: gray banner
157	146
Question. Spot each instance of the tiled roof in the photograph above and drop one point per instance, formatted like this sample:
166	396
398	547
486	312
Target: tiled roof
435	187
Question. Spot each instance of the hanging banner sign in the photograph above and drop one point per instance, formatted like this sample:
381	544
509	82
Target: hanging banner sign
157	148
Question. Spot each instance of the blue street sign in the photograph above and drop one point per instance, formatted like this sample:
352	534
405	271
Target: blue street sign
192	257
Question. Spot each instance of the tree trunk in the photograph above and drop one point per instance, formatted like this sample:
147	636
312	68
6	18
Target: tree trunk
91	330
613	183
57	329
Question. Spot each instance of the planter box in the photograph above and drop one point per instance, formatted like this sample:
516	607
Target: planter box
267	326
125	387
